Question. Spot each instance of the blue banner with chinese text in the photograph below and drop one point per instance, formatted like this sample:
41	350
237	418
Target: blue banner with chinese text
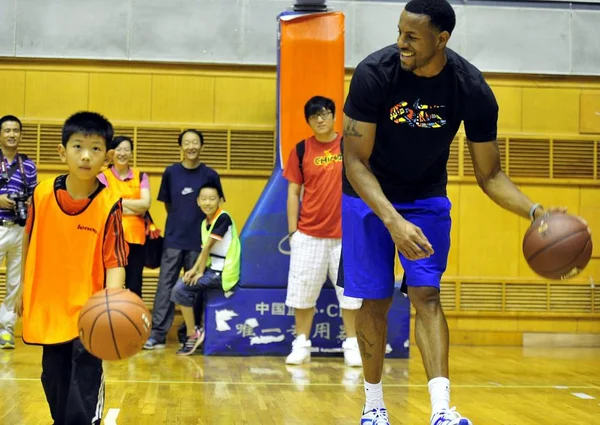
257	322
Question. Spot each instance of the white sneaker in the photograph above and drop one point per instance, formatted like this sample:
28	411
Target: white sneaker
352	353
375	417
300	351
449	417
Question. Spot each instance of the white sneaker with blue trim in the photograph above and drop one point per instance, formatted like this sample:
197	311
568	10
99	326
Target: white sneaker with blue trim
449	417
375	417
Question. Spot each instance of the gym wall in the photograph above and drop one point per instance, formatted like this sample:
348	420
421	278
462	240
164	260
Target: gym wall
549	129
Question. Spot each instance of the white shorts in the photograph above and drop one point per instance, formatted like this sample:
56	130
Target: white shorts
311	260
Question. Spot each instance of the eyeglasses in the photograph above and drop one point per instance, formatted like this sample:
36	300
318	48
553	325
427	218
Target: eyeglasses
323	115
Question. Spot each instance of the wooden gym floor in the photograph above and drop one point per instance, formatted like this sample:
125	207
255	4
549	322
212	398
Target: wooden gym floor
512	386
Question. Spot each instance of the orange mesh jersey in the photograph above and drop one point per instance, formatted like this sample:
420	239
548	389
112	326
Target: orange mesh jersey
72	243
133	225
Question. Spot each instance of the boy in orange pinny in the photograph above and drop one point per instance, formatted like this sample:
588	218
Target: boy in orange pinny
73	247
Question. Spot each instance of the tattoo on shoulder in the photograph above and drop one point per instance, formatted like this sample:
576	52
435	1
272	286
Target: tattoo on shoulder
350	130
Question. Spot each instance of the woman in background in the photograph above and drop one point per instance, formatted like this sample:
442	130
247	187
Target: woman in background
134	188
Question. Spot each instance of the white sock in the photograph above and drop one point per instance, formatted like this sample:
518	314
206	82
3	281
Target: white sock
439	391
374	394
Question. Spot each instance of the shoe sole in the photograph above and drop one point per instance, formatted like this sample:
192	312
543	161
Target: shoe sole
7	347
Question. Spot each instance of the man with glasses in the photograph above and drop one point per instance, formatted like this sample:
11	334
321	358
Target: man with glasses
17	180
315	229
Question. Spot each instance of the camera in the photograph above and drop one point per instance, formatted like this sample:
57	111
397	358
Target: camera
20	200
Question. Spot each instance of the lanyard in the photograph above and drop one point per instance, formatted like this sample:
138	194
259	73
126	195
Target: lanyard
4	170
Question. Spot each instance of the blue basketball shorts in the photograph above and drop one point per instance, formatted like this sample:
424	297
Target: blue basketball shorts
369	253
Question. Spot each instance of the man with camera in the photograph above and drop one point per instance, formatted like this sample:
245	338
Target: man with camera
18	177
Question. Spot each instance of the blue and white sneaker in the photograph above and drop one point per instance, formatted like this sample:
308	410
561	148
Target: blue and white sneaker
153	344
449	417
375	417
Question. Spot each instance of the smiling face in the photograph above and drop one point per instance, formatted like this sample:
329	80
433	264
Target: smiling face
209	201
123	154
191	146
420	43
10	135
84	155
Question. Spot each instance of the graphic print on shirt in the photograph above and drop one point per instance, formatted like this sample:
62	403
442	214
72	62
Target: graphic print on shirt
328	160
420	115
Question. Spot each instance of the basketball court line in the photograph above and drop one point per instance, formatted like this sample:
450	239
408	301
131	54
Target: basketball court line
111	417
584	396
315	384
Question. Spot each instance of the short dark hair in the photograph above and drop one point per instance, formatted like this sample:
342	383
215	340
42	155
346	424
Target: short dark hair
88	123
316	104
10	118
212	185
191	130
120	139
440	12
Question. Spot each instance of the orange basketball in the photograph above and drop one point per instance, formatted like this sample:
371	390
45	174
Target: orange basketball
114	324
557	246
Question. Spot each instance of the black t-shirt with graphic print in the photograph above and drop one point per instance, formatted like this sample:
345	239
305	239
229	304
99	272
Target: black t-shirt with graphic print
417	119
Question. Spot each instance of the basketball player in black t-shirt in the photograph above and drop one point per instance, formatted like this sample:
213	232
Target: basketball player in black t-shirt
405	105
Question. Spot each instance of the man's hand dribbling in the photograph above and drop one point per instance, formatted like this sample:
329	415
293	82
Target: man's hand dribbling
559	210
409	239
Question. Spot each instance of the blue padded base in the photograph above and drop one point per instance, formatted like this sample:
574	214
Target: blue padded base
256	322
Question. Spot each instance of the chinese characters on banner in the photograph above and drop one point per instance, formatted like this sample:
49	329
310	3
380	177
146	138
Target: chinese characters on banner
257	322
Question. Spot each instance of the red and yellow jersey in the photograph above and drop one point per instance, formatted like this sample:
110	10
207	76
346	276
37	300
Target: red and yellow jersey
321	210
